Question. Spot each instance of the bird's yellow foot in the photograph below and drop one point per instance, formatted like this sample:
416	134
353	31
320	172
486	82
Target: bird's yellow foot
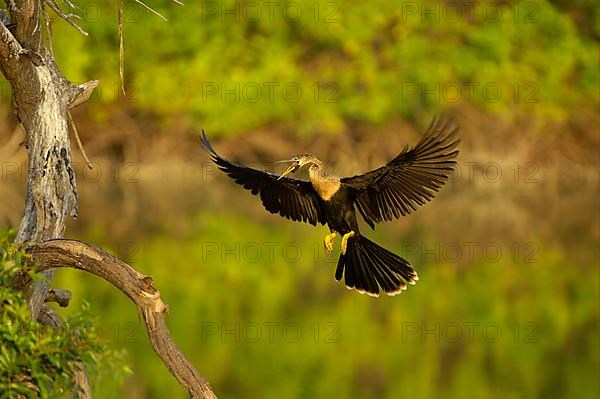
328	243
345	241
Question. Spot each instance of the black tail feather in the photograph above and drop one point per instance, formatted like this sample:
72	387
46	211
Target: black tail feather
368	267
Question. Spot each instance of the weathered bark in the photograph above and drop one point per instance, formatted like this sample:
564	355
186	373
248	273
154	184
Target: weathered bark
42	97
62	297
139	288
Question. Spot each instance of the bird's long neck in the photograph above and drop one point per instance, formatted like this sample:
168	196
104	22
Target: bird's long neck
326	185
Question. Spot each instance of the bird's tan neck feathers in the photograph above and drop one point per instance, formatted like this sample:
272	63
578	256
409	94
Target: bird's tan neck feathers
325	185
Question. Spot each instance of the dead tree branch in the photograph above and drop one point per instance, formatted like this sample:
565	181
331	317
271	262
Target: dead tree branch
139	288
69	18
62	297
41	97
9	46
84	91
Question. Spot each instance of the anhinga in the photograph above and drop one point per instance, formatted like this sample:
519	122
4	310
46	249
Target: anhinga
391	191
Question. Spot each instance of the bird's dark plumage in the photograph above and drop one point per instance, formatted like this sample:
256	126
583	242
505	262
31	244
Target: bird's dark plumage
291	198
393	190
368	265
410	179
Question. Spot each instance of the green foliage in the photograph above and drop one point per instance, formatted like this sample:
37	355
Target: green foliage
35	360
223	285
380	64
351	62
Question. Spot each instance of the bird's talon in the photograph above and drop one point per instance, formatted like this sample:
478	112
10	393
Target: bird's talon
328	243
345	241
328	248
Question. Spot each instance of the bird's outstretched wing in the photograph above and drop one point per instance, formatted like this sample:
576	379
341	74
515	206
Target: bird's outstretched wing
410	179
291	198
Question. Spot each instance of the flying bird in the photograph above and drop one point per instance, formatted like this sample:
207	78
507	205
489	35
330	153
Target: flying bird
393	190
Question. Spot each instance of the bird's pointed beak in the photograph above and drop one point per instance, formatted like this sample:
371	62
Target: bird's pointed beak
290	168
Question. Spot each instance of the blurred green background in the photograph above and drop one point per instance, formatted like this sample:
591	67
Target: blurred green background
507	302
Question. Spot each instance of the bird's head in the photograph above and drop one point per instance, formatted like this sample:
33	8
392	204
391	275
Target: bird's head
298	161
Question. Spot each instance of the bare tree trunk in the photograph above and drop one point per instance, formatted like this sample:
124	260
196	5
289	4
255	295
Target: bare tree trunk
51	189
42	97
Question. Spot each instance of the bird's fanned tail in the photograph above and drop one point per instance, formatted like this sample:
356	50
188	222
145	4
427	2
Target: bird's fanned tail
368	267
